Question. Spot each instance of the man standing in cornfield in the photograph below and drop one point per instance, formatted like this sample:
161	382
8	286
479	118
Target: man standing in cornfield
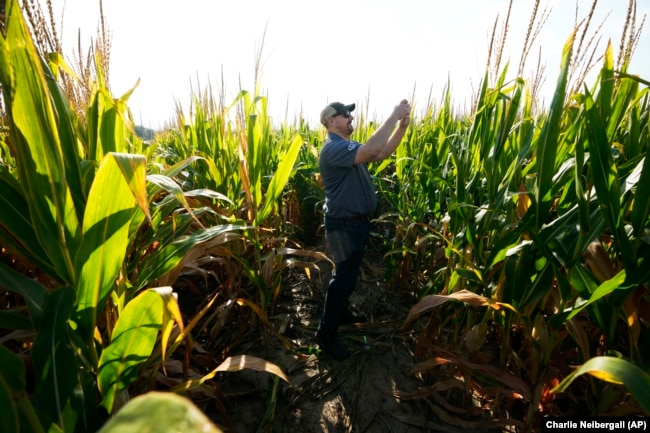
350	200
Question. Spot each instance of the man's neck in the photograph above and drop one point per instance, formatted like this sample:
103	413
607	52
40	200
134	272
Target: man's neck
345	137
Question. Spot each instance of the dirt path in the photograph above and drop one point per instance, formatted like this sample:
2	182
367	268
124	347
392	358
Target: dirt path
355	395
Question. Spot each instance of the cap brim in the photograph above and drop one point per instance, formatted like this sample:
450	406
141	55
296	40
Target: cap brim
334	109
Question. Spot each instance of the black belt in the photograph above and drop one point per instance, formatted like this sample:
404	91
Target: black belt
358	217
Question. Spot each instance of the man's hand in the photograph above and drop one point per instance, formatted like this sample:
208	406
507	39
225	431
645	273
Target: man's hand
381	144
403	113
405	121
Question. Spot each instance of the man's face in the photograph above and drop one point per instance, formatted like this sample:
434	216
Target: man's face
342	124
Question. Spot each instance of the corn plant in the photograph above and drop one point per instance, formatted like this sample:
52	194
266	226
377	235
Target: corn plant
417	188
80	212
237	153
548	228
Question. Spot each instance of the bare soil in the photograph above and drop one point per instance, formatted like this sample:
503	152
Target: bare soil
360	394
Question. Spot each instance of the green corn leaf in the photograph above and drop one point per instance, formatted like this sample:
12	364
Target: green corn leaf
168	258
55	361
160	412
606	179
625	95
581	194
10	387
607	82
178	168
637	138
57	64
18	414
70	137
538	288
37	146
634	145
548	140
617	371
209	194
16	231
168	184
106	229
602	165
607	287
132	342
15	321
31	291
279	180
641	206
134	169
107	131
12	372
251	151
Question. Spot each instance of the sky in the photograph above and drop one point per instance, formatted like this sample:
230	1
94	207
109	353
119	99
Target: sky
370	52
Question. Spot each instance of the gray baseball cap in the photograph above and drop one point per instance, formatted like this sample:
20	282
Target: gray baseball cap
334	109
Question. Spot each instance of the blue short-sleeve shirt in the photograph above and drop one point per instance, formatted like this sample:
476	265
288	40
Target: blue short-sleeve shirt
349	190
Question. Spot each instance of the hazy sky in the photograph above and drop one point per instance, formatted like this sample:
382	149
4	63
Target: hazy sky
372	52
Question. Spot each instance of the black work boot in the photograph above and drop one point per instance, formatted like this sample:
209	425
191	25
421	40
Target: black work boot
349	317
331	344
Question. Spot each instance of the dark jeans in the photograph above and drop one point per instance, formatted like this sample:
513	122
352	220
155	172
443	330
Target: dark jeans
347	239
